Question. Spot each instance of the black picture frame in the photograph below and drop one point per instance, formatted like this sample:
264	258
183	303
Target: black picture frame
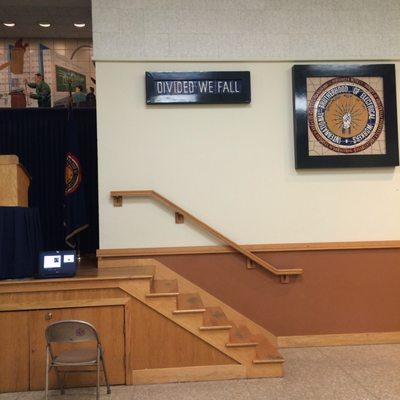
300	73
152	97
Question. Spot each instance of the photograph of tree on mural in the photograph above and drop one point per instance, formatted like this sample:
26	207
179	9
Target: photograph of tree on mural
345	116
67	79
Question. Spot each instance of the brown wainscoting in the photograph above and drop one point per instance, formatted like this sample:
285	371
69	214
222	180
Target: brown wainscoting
353	287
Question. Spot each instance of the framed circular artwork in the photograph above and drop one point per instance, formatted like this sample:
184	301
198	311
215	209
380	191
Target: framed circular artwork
345	116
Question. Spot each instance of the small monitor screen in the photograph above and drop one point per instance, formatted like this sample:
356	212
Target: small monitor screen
52	261
57	264
69	258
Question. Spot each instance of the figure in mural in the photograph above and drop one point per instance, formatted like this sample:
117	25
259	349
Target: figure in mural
78	97
43	91
91	97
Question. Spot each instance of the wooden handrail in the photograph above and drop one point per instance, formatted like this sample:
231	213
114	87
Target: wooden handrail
283	273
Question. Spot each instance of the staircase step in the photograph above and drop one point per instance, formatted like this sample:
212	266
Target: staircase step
136	272
187	303
215	319
266	352
240	336
163	288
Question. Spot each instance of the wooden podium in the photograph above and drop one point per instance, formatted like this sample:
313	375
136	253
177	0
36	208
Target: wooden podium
14	182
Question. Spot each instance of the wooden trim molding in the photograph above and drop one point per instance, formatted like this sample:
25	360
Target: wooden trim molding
44	305
254	248
184	374
344	339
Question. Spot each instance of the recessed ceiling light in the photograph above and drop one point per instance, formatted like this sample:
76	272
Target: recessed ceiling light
79	25
44	24
9	24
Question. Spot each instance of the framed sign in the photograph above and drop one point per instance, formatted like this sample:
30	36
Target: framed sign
67	80
345	116
198	87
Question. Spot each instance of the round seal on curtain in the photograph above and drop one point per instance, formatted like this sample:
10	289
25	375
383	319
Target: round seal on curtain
73	174
345	115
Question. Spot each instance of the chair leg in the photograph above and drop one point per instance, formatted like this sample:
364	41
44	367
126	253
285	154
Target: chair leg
98	374
47	373
105	372
60	381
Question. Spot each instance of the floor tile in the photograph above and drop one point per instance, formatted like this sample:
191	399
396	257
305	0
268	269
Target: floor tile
9	396
375	368
309	374
234	389
229	389
321	373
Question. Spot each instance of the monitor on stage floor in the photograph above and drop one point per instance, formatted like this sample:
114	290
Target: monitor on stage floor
57	264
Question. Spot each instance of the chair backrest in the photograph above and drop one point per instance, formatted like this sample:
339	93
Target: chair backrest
71	331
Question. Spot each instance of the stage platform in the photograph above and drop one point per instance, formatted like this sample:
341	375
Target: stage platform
155	326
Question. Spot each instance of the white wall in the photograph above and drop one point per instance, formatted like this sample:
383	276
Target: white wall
233	165
230	165
246	29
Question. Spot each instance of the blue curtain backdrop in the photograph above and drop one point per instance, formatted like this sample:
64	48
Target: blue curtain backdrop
37	136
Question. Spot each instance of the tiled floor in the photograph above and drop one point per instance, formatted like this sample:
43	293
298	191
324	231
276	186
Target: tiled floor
324	373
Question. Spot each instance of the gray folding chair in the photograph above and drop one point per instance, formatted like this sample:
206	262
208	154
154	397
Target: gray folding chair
73	331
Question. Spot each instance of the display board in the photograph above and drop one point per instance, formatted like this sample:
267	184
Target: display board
67	80
212	87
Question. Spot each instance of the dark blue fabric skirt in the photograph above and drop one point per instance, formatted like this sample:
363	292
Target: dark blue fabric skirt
20	242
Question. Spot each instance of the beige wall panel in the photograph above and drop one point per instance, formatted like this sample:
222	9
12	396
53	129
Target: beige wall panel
246	29
230	165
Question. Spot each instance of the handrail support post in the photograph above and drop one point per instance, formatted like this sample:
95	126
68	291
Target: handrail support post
179	218
117	201
285	278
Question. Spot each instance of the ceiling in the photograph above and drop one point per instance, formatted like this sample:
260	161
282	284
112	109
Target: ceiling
62	14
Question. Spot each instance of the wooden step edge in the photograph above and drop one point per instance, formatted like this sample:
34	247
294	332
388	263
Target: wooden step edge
140	277
194	311
244	344
215	327
269	361
166	294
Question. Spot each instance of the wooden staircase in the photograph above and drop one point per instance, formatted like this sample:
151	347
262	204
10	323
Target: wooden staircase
215	319
248	349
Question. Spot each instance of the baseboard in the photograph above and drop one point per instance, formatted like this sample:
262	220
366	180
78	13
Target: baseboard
345	339
256	248
186	374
